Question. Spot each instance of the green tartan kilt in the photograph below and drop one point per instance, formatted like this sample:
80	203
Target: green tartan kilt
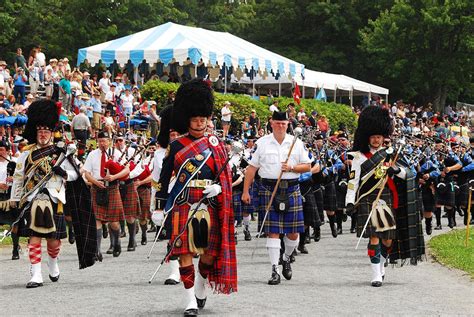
363	210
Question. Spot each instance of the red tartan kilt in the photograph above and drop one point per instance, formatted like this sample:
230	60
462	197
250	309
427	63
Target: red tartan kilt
144	194
113	212
180	214
130	201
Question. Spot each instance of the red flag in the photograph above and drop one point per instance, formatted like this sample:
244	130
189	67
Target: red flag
297	94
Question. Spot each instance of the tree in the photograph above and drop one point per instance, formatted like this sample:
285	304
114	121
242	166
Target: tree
423	48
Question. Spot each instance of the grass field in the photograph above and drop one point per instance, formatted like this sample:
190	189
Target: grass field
450	250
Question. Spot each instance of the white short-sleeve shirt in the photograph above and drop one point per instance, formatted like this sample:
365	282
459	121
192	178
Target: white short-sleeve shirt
268	156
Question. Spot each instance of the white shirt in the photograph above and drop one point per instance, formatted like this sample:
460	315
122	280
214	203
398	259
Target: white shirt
104	84
109	96
269	155
93	163
273	108
158	163
41	59
127	102
300	115
3	172
226	114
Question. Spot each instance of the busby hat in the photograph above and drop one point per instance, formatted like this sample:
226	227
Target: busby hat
373	120
193	99
103	135
165	125
42	115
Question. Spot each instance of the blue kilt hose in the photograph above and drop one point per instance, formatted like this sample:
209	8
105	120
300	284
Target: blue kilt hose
238	205
290	221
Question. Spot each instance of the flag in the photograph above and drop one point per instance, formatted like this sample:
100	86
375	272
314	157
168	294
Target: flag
297	94
321	95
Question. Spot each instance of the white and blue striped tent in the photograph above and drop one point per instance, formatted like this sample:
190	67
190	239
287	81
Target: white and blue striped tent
174	41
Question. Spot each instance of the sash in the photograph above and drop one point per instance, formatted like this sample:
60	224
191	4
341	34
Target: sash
186	172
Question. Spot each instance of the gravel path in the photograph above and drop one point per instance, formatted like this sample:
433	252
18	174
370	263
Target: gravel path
332	280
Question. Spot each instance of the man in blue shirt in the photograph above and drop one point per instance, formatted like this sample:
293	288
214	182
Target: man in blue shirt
96	112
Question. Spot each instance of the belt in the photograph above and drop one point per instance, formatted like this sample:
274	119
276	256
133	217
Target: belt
99	112
199	183
283	182
126	182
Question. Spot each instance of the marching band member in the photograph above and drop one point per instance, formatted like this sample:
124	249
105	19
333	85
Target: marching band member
41	203
285	216
196	160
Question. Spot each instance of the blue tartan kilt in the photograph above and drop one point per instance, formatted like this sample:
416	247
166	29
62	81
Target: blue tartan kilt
291	221
250	208
237	204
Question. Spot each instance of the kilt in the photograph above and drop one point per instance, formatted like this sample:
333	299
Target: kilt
319	198
114	211
129	200
310	209
330	200
250	208
428	198
179	216
59	221
144	196
463	197
446	199
291	221
237	204
363	211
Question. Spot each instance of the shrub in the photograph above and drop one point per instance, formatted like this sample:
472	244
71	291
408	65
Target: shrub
242	105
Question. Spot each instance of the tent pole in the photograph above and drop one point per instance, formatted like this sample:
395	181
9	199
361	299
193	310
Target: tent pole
225	79
335	92
370	97
135	74
195	71
386	99
303	89
253	87
279	86
352	97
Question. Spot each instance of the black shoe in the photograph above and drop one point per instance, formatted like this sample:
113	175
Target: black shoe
339	230
239	224
376	284
333	230
144	240
287	272
54	278
438	227
170	281
123	234
460	212
99	257
450	223
191	312
302	248
33	285
275	279
110	250
105	232
317	234
344	217
16	254
117	251
247	235
353	230
201	302
152	228
131	247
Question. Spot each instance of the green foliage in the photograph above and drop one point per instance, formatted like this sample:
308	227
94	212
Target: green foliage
450	250
428	47
242	105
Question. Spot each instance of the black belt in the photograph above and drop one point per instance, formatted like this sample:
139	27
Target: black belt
126	182
284	182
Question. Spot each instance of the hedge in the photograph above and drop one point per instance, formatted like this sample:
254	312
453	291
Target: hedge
241	105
